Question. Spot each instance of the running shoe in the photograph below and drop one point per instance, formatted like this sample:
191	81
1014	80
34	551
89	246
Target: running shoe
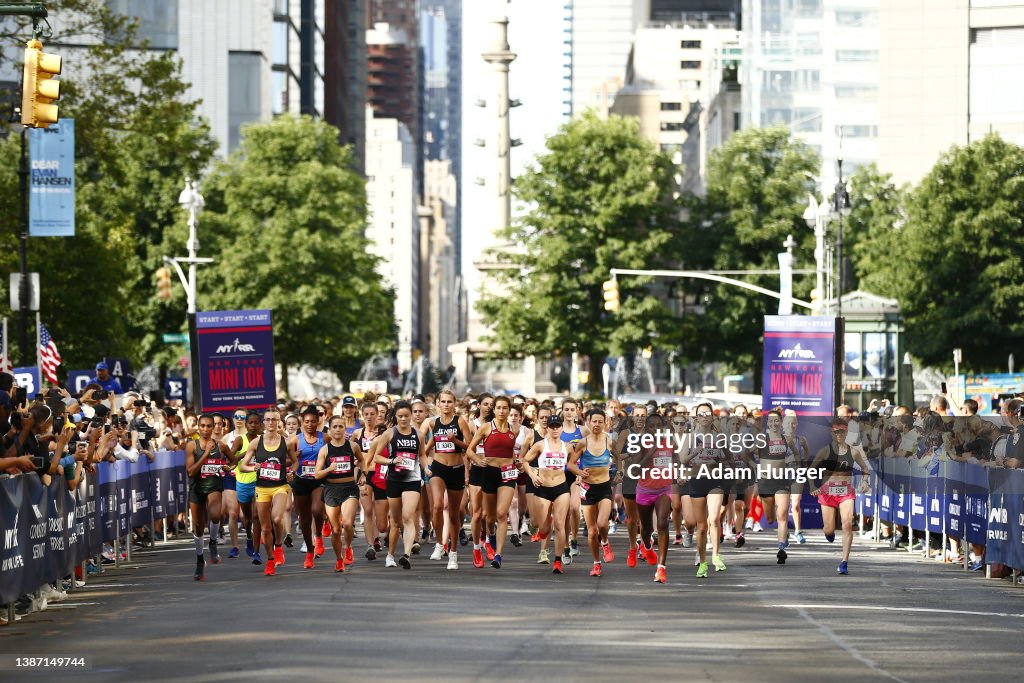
843	569
318	547
416	547
308	564
268	570
200	566
757	528
288	541
652	556
233	553
830	537
688	539
678	540
339	565
749	524
781	556
371	553
538	537
718	562
349	555
659	574
91	568
214	555
727	533
611	527
566	557
630	559
741	540
303	549
517	541
249	550
256	559
453	560
438	552
702	570
496	562
377	545
543	558
492	539
389	561
278	555
574	549
478	558
596	571
976	566
557	567
326	529
490	551
606	552
800	538
524	527
463	538
404	562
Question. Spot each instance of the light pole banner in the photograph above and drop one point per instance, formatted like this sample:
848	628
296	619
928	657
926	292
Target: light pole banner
800	364
52	180
236	360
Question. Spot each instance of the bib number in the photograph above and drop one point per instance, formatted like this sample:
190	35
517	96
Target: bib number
443	445
270	472
307	471
554	462
211	469
838	490
663	461
509	472
341	465
584	487
404	463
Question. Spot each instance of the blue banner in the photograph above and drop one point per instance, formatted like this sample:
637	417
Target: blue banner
955	476
175	388
900	482
236	360
935	499
1006	518
52	180
976	495
77	379
28	379
917	479
799	364
883	486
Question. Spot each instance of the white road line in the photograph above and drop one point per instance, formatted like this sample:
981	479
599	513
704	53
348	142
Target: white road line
905	609
846	647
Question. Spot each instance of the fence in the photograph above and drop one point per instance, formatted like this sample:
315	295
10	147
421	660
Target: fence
48	530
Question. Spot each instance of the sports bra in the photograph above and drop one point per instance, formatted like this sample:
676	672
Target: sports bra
517	447
213	466
307	454
777	449
499	444
443	434
553	460
406	450
342	461
588	459
838	462
270	464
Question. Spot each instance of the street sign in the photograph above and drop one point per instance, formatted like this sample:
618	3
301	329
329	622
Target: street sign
33	291
175	338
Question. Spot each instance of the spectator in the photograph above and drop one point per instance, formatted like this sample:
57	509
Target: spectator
106	382
969	407
940	405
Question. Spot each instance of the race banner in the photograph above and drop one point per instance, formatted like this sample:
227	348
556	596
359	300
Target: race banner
1005	532
52	180
953	473
800	364
976	494
236	360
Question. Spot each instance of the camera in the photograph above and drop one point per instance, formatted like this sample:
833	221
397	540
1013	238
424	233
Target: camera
140	403
100	394
144	430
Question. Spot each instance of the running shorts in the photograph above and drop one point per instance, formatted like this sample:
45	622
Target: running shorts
476	475
336	494
454	478
265	494
551	492
834	494
492	480
305	487
246	492
646	496
229	483
596	493
769	486
700	487
395	489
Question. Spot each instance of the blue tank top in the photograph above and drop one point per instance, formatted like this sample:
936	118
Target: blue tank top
349	431
571	438
307	454
588	459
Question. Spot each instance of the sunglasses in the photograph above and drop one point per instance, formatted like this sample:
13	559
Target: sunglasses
703	414
271	420
239	417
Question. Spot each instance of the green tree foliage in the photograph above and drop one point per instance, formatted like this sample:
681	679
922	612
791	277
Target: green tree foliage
871	233
757	187
957	264
137	137
285	215
599	198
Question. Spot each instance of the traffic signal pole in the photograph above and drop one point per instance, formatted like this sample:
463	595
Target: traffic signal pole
23	293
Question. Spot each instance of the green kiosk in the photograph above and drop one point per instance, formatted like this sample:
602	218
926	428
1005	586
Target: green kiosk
873	350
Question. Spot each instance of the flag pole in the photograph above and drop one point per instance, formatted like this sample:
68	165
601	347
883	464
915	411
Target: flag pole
39	366
3	351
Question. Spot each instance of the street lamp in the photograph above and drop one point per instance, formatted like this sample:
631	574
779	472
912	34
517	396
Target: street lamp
840	207
193	202
817	217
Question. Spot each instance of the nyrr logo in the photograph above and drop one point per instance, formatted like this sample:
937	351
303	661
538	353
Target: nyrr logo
235	348
997	515
797	352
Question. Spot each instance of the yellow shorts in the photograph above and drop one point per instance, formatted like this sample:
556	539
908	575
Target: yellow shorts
266	494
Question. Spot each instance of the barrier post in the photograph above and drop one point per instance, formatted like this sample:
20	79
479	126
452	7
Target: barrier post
10	613
117	549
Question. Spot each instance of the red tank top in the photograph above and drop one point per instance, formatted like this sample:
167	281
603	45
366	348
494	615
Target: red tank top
659	470
500	444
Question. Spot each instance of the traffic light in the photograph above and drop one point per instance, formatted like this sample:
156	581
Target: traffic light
611	295
163	283
38	89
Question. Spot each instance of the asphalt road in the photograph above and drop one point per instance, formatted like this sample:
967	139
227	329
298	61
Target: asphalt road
895	617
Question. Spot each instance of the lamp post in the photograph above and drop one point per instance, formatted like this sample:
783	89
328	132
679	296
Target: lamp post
817	218
840	208
193	202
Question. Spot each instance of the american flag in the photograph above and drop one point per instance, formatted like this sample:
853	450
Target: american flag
5	360
49	357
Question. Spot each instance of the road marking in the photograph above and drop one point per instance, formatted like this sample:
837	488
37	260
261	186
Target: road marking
849	649
928	610
68	605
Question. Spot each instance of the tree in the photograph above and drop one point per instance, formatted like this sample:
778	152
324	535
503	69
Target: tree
957	265
137	137
599	198
871	233
757	187
285	215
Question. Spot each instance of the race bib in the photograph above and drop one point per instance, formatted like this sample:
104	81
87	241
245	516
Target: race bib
307	471
442	444
554	461
663	461
509	472
341	465
838	490
211	469
404	463
584	487
383	470
270	471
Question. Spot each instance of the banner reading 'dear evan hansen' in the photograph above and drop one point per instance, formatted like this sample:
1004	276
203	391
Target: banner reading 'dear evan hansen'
800	364
236	360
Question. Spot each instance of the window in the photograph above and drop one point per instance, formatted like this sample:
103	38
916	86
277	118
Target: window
689	64
856	18
806	120
689	44
158	21
856	55
671	149
244	93
671	125
857	131
671	106
279	43
856	91
808	8
807	80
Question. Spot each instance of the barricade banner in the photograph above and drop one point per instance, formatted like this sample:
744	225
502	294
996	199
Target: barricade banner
1005	531
884	492
955	501
935	498
976	496
122	472
106	501
141	488
917	482
900	482
14	521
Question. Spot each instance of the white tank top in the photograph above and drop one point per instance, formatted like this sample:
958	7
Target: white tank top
553	460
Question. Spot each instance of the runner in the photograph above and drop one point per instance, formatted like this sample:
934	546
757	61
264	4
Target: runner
420	413
591	461
306	487
551	489
572	434
524	439
775	487
229	497
654	493
628	452
404	461
743	486
801	456
349	415
205	466
445	436
245	482
836	490
499	477
270	456
476	494
372	492
336	463
541	413
681	511
706	491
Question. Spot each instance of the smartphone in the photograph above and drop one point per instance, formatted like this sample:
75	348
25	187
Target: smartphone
942	389
100	394
21	397
106	429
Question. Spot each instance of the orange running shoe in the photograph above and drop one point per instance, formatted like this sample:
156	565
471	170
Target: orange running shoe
557	567
606	550
268	568
349	556
326	529
478	558
339	565
538	537
279	554
659	575
490	551
318	546
652	557
631	559
308	564
596	571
